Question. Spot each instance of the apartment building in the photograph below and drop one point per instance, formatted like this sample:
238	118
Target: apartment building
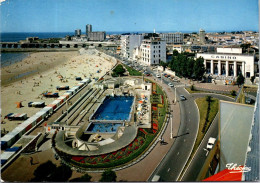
153	51
129	43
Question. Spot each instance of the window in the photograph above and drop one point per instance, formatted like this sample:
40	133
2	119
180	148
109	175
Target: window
159	51
159	46
153	56
159	55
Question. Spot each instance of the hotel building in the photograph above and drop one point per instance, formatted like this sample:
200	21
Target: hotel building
153	51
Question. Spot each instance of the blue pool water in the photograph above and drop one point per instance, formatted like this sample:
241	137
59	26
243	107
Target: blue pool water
103	127
114	108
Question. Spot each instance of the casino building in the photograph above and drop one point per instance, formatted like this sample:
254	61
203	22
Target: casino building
229	62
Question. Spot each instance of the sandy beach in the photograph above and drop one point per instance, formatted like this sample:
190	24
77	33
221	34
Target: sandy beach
46	71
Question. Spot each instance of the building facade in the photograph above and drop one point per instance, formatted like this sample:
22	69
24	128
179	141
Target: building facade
229	62
96	36
88	29
129	43
202	36
153	51
78	32
172	38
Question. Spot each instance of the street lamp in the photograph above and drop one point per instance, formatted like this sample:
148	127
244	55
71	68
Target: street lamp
171	116
175	95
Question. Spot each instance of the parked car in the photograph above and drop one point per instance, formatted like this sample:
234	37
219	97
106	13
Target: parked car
170	85
158	75
211	142
182	98
249	101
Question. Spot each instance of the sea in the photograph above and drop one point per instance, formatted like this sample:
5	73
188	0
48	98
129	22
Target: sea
11	58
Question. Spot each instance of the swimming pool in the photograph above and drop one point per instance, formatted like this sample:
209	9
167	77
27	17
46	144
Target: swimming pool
103	127
114	108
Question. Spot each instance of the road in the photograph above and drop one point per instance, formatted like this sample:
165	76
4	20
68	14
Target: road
173	163
197	162
175	160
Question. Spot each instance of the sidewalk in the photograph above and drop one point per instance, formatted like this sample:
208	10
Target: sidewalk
218	87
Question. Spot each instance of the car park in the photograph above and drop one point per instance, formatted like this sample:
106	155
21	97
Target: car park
182	98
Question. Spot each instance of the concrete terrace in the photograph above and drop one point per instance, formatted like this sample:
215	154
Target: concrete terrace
128	136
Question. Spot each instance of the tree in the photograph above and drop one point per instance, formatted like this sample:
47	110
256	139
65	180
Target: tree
85	178
44	171
252	79
61	174
245	47
175	53
164	64
108	176
118	71
240	79
190	66
209	98
199	68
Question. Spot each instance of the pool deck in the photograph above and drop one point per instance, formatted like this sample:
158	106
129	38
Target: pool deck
128	136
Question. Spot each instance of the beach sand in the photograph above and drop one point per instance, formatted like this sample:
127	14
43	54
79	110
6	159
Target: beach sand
48	69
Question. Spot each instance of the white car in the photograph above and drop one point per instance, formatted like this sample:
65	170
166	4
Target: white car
170	85
158	75
211	142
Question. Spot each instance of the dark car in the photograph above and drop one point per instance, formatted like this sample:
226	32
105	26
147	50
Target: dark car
182	98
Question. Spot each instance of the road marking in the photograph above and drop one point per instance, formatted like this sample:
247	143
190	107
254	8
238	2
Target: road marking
177	153
189	119
184	140
189	112
168	169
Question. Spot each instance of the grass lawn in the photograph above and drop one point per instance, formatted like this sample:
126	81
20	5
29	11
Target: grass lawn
203	105
132	71
200	91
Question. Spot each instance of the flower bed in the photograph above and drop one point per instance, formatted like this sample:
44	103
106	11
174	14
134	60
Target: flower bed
106	158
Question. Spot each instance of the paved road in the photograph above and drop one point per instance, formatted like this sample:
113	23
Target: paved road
173	163
197	163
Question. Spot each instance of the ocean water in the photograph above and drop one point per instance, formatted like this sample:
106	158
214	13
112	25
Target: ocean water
11	58
17	36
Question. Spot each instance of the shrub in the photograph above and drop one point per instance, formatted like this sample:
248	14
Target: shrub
233	93
108	176
192	88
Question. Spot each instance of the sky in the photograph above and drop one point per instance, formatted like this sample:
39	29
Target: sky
128	15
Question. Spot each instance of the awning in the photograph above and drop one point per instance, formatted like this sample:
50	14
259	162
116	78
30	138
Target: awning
226	175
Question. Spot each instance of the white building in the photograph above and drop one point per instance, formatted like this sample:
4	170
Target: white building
179	48
153	51
129	43
172	38
229	62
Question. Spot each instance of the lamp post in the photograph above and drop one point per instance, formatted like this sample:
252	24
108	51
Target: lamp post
175	95
161	77
171	116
